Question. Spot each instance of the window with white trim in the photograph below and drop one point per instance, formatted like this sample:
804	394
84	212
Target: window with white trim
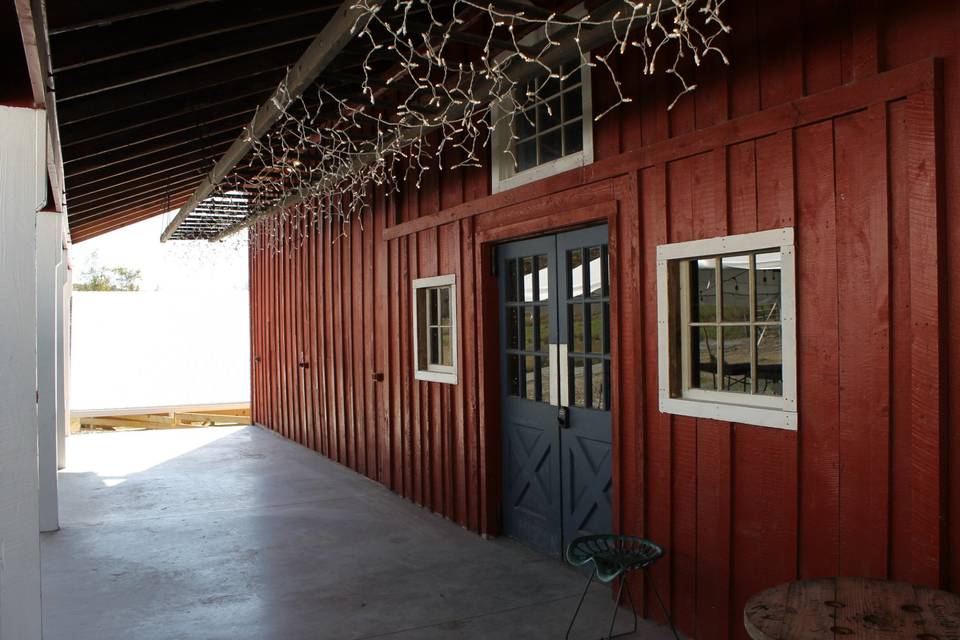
727	328
554	133
435	329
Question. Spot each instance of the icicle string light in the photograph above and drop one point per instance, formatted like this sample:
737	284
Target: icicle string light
433	109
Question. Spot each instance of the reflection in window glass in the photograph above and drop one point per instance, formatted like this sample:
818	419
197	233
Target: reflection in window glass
704	370
543	278
530	377
596	327
596	271
769	361
577	327
526	270
768	286
703	288
528	324
736	359
513	324
544	312
578	375
735	279
575	266
552	127
598	387
544	364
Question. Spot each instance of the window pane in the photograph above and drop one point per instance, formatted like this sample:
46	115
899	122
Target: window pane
703	307
577	366
432	306
736	359
735	279
577	328
543	278
703	370
769	361
572	104
596	327
550	146
544	364
768	286
576	273
446	347
530	377
513	375
526	270
596	272
525	123
513	322
434	346
526	153
528	322
544	317
598	387
549	114
445	306
511	280
573	138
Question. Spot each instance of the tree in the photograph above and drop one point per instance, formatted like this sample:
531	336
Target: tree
97	278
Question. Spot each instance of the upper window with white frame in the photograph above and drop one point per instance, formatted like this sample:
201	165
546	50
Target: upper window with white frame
727	328
551	133
435	329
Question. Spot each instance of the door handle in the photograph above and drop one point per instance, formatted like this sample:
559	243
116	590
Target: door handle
563	419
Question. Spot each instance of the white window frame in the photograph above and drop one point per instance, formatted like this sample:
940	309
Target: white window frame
503	170
767	411
423	370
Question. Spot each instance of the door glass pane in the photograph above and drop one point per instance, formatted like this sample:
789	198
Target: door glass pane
598	386
596	271
513	323
543	278
530	377
596	327
704	366
526	271
578	373
528	323
576	328
544	312
446	346
768	286
576	273
736	359
512	280
703	307
513	375
735	279
544	364
769	361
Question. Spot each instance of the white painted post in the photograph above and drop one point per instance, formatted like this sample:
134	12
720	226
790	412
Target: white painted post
49	250
22	193
63	404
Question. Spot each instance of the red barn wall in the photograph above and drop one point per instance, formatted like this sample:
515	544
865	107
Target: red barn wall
840	119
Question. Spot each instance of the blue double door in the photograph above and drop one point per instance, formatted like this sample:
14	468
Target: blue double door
555	373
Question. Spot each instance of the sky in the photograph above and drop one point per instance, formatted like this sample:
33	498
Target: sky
181	265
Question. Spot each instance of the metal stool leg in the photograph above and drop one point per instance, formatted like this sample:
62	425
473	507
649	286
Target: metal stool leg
633	607
662	607
593	573
616	607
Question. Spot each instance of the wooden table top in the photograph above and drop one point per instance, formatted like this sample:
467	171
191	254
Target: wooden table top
851	608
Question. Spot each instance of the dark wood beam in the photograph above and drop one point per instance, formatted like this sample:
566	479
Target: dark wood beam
148	177
74	16
318	56
155	188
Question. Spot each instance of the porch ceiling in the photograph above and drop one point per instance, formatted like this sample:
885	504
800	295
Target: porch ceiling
149	94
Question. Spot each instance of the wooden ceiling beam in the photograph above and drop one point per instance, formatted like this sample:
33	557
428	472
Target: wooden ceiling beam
322	51
85	15
156	188
147	178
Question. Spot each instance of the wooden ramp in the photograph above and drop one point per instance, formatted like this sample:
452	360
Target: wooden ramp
170	417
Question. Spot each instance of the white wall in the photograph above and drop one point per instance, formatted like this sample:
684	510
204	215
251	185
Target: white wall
22	191
147	349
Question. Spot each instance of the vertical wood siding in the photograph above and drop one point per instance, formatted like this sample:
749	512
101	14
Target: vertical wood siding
834	119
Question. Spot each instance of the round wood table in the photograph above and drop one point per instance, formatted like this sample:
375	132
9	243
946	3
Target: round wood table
856	607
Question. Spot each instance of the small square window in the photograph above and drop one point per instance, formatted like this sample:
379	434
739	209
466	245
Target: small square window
435	329
727	328
551	134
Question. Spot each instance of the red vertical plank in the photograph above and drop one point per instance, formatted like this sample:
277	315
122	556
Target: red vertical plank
606	130
452	430
822	41
927	356
862	293
817	351
658	433
370	342
781	52
744	49
470	459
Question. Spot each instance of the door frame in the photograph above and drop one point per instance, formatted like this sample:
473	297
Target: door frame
550	221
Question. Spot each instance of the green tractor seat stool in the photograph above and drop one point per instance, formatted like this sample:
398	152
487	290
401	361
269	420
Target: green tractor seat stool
614	556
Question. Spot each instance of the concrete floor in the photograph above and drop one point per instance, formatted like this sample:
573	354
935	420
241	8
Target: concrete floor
235	533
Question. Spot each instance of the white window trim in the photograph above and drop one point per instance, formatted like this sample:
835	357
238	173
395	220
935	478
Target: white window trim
503	173
728	406
423	370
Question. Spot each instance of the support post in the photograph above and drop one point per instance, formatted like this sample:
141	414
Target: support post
22	193
49	250
63	348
